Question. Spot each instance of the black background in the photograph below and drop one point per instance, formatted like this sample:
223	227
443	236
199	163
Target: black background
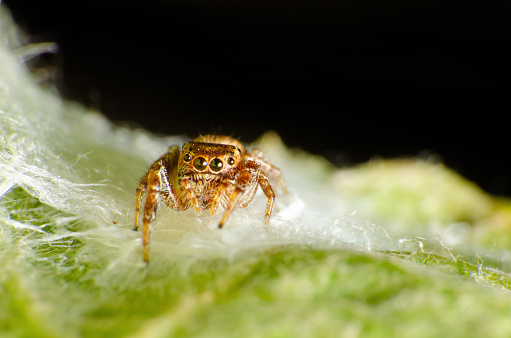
347	79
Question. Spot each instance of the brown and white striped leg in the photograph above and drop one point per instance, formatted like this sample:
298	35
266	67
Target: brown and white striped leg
168	160
157	183
151	206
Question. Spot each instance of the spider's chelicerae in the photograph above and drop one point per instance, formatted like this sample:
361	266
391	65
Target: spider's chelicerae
211	172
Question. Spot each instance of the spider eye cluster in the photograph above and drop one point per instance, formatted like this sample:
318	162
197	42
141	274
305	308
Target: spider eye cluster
200	163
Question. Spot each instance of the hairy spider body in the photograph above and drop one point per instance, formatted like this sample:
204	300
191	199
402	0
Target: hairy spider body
211	172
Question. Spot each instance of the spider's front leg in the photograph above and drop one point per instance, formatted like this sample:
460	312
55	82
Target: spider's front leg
151	206
245	189
157	183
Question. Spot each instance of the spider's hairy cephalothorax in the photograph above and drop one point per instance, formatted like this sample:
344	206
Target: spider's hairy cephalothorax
211	172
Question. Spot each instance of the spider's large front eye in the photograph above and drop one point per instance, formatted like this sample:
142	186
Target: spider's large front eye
187	157
216	164
200	163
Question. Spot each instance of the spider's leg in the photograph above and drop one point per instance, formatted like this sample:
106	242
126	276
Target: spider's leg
268	191
156	182
151	205
168	191
272	171
141	189
276	173
168	160
246	185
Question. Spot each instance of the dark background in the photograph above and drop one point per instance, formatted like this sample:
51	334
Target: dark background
347	79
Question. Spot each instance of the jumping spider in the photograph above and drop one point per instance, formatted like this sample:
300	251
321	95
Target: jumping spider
211	172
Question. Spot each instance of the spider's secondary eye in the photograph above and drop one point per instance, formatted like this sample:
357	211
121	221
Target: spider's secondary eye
187	157
200	163
216	164
230	161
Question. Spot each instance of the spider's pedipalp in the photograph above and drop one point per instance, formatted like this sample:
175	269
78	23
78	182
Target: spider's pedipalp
233	199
